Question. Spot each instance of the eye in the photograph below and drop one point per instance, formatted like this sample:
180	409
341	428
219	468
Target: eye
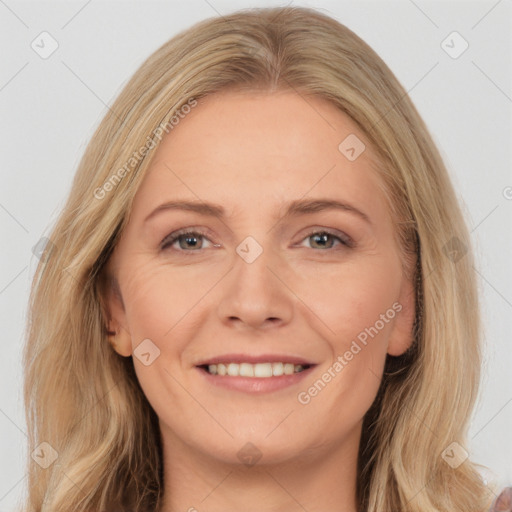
186	240
322	239
190	241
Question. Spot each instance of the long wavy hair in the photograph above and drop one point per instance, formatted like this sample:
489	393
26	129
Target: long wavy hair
84	399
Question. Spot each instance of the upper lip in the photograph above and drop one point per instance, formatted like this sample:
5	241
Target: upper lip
254	359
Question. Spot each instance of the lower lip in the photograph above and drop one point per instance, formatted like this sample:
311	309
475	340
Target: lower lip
255	384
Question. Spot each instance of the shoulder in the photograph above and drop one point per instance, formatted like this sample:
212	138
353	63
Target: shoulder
503	503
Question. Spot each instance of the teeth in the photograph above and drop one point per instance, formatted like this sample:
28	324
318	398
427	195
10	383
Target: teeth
261	370
246	370
277	369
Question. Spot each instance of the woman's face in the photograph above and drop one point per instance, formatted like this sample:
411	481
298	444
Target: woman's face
265	271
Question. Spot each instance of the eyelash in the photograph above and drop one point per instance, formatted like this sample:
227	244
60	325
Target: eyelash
172	238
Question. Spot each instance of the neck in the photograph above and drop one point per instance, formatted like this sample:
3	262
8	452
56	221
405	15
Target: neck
322	480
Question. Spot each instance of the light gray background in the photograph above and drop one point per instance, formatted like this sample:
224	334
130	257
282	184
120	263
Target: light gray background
50	107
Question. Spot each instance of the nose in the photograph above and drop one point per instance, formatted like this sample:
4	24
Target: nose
255	294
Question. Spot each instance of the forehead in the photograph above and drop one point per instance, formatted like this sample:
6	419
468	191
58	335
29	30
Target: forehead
247	149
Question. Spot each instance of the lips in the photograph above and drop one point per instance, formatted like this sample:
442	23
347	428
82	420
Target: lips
264	376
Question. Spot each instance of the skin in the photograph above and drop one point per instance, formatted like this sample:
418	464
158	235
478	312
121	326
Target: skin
252	153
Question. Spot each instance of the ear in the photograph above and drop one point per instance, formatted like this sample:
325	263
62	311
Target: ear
401	337
114	314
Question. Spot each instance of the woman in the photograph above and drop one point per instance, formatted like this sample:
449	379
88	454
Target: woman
265	233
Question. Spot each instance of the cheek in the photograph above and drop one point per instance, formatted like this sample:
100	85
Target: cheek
159	300
158	303
357	317
351	300
147	313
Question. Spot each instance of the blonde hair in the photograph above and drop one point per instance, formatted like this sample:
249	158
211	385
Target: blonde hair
83	399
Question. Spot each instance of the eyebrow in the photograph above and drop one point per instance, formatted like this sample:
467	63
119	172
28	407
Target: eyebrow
294	208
